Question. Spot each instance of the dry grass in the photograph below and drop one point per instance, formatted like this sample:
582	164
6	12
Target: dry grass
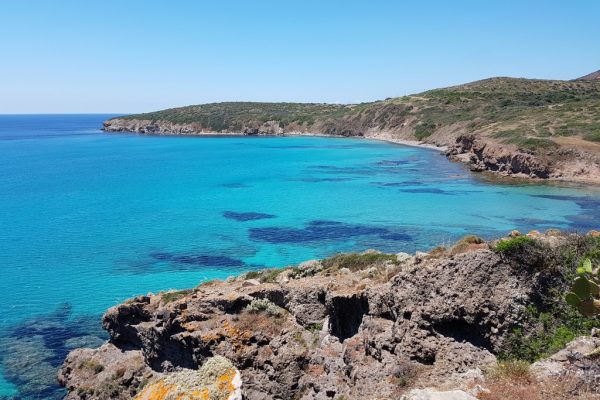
512	380
467	244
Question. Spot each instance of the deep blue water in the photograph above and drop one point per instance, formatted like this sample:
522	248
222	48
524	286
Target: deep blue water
88	219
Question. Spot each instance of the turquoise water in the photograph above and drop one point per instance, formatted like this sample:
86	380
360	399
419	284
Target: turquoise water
89	219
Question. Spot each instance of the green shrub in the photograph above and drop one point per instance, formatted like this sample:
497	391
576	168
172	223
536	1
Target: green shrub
531	143
269	276
92	365
593	136
357	262
513	245
173	295
424	129
560	327
252	275
264	305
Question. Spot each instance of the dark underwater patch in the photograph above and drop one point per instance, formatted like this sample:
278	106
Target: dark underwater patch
246	216
589	218
533	222
393	162
427	190
308	146
203	260
313	180
398	184
353	170
401	237
322	230
32	351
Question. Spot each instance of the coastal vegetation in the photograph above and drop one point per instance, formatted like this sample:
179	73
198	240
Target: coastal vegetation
527	113
532	128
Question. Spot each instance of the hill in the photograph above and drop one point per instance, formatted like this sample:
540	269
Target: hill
524	117
589	77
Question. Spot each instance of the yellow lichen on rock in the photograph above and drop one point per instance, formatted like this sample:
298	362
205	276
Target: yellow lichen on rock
217	379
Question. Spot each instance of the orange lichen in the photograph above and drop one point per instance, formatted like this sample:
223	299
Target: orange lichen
237	336
157	391
225	382
218	379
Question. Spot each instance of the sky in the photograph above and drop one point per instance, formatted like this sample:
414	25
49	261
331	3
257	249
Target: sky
125	56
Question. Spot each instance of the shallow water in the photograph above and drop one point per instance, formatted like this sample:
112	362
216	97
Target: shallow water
89	219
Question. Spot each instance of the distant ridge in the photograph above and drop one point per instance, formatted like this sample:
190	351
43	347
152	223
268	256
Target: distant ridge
512	126
594	76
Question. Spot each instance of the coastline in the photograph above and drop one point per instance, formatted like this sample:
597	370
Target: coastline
387	139
477	154
288	330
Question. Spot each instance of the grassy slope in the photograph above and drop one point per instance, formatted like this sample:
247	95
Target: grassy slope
527	113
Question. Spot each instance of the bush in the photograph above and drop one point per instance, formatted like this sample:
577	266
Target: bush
424	129
269	276
551	323
556	327
264	305
252	275
593	136
358	262
173	295
92	365
514	245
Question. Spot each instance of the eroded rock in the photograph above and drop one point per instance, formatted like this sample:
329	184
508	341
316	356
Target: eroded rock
322	333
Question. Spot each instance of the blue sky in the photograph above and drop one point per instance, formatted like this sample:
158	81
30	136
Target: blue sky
132	55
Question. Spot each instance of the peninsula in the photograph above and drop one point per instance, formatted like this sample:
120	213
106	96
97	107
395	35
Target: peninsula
541	129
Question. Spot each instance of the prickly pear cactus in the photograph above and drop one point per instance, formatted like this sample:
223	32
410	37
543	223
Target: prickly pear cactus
585	291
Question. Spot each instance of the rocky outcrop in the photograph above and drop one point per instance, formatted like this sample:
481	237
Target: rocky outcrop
217	379
483	155
151	127
579	360
325	330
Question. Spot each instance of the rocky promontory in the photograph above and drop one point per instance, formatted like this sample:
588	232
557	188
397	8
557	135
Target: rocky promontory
449	322
530	128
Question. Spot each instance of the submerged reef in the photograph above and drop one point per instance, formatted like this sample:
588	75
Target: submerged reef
32	351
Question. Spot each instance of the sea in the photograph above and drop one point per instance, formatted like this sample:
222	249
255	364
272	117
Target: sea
89	219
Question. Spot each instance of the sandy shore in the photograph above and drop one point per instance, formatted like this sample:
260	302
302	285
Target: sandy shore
389	138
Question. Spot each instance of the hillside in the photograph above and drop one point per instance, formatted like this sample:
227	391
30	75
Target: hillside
556	122
589	77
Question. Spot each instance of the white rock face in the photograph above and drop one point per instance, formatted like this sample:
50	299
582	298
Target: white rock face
236	394
429	394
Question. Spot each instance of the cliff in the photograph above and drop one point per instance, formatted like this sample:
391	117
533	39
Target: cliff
528	128
370	326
